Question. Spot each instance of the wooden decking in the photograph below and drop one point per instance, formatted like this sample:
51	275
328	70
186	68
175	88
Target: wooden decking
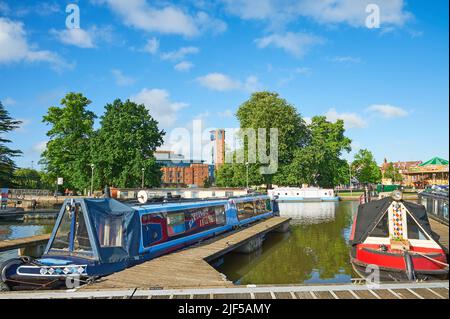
189	267
23	242
422	290
442	231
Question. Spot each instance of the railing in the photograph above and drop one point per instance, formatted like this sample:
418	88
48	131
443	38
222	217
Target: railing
21	193
436	205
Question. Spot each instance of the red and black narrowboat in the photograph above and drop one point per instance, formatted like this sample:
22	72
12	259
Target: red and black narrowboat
393	238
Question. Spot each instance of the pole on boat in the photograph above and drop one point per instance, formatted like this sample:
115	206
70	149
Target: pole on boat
247	173
143	171
92	178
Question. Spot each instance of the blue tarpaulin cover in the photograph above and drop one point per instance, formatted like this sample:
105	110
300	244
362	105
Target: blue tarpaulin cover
106	209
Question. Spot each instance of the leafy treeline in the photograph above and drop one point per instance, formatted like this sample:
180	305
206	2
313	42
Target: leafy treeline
121	149
308	153
118	153
7	165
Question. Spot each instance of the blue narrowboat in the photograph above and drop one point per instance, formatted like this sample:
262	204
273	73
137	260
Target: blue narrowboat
97	237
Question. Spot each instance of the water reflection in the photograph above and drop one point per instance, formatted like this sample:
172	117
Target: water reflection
17	229
309	213
314	251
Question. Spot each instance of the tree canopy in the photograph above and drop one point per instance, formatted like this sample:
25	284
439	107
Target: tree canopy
307	153
124	146
365	167
7	164
121	150
393	173
67	154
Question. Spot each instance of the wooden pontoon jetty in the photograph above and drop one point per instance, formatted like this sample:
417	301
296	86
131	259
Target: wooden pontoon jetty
187	274
24	242
188	267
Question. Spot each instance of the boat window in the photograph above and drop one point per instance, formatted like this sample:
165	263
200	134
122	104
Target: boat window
220	215
175	224
245	210
261	206
81	243
62	237
382	228
110	231
414	231
268	205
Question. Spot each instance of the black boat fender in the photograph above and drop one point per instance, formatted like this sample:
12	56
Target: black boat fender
409	266
4	268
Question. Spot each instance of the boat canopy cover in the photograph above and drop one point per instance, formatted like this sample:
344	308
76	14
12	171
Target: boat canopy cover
121	224
369	214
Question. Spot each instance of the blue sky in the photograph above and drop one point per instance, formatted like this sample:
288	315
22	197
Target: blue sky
201	59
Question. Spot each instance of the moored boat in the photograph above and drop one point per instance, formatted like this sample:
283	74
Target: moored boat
304	194
393	237
97	237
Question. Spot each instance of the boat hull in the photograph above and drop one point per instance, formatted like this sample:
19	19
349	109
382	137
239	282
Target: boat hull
392	274
419	263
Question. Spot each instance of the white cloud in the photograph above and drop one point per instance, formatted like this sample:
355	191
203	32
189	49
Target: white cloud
226	113
180	53
183	66
167	19
346	59
8	101
222	82
387	111
23	125
206	23
84	38
15	47
252	84
40	147
159	104
351	12
351	120
76	37
218	82
122	79
297	44
152	46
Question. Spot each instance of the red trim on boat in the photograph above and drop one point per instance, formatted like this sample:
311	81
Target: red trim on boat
370	254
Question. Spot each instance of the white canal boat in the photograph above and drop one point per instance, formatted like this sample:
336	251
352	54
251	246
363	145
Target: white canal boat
304	194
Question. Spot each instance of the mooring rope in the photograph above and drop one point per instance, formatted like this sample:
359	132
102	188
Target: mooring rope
432	259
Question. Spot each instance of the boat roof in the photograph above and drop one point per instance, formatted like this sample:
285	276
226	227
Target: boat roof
369	214
194	203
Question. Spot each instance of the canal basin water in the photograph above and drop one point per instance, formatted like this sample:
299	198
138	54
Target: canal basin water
18	229
315	250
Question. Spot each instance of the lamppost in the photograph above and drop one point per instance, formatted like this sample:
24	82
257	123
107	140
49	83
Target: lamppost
142	183
92	178
350	178
247	173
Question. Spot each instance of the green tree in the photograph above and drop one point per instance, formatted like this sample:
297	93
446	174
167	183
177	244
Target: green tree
319	162
393	173
7	165
68	151
365	167
26	178
124	145
267	110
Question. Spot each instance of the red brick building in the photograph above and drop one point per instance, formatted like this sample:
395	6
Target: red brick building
178	171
